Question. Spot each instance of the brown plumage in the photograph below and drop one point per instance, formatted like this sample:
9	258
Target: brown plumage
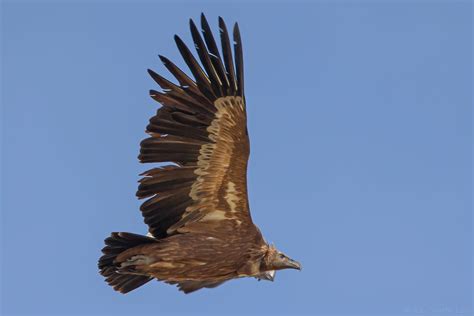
201	233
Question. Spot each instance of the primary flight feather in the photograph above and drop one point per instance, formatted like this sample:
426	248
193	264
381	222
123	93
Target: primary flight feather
201	233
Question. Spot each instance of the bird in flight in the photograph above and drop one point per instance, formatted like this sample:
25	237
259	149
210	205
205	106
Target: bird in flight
200	232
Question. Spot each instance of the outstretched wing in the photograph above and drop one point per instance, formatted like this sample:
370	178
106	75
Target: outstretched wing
202	129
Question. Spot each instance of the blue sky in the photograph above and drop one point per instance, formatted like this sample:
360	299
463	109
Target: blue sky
360	116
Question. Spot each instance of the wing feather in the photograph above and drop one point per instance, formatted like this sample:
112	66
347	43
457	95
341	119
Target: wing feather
239	61
202	129
202	80
227	55
203	54
214	53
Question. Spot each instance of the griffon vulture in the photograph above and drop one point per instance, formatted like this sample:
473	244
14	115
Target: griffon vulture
201	233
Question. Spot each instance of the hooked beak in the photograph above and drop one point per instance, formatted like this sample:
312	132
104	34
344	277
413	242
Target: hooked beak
293	264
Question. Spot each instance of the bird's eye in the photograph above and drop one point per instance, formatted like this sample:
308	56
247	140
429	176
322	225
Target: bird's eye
282	256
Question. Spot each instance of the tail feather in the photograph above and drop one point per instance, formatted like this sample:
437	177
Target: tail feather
115	245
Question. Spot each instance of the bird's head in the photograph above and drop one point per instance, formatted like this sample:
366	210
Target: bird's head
277	260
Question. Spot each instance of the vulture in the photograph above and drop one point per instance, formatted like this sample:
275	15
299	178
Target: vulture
200	231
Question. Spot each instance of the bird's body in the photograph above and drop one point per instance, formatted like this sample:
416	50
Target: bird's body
196	257
200	230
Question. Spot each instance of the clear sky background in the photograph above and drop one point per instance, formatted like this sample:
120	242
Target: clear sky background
360	117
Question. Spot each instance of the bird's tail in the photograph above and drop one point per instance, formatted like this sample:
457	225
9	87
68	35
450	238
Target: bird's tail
115	245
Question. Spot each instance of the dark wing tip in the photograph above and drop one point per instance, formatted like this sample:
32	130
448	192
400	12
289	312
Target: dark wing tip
239	60
222	25
203	19
152	73
193	28
192	24
163	59
236	30
204	23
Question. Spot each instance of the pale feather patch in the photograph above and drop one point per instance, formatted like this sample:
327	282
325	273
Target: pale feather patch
214	216
214	160
166	264
231	196
136	260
